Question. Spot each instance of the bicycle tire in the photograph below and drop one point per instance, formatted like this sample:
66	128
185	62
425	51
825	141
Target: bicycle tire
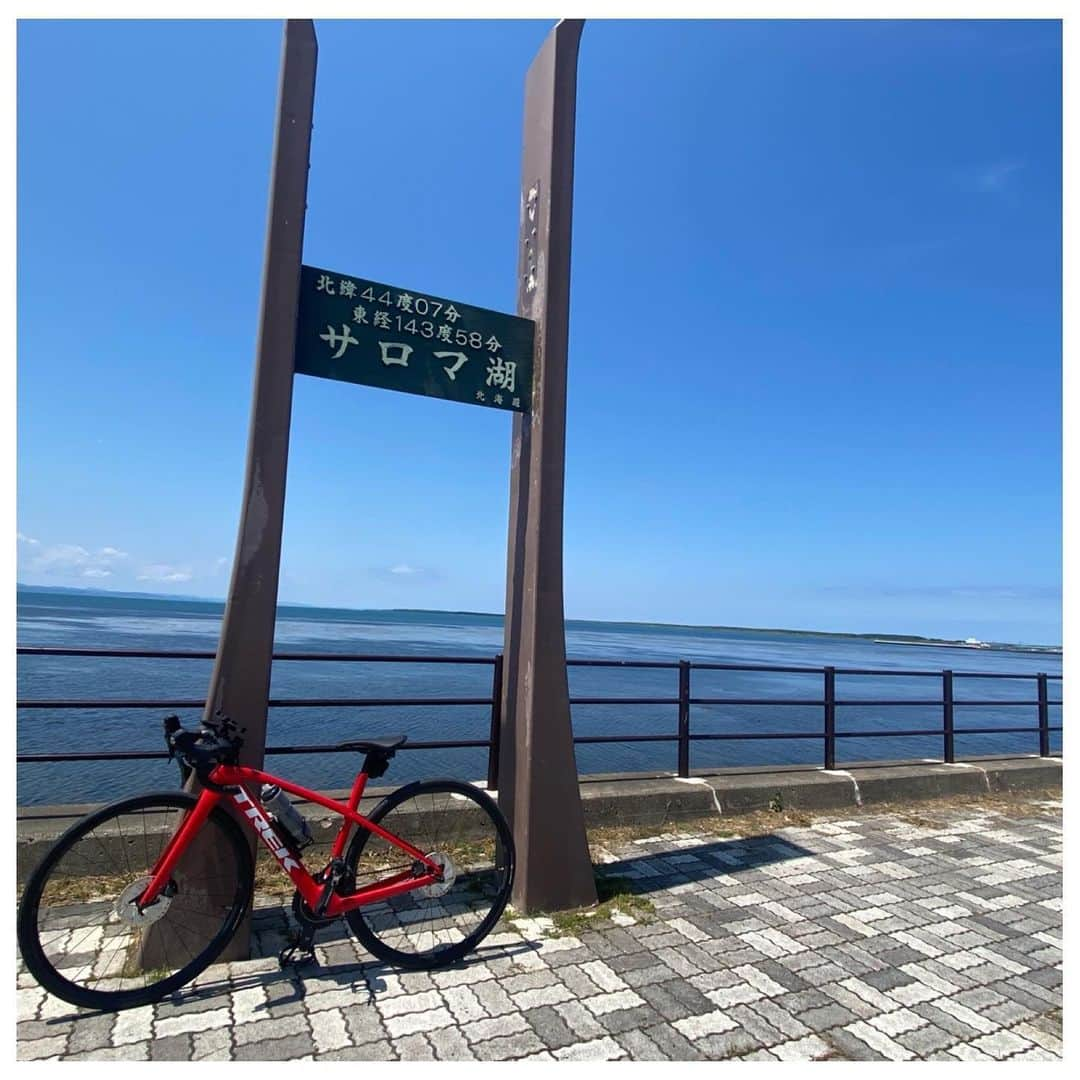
86	897
474	885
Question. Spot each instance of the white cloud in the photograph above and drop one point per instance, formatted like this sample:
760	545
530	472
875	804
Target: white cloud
22	538
162	572
69	560
996	177
61	558
404	569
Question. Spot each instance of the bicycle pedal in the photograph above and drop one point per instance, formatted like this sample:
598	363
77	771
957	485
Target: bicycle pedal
296	955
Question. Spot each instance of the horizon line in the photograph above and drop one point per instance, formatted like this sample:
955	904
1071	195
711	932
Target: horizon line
895	637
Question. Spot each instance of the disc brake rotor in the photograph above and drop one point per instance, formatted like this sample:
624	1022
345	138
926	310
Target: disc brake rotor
128	911
449	876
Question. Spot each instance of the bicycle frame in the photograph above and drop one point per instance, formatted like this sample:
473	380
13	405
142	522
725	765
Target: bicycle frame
248	806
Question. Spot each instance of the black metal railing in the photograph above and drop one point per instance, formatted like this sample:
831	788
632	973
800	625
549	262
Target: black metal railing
683	735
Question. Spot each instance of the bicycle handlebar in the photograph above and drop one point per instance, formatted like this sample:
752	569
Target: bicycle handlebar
206	748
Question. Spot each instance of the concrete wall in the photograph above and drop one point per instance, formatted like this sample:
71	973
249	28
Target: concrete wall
654	800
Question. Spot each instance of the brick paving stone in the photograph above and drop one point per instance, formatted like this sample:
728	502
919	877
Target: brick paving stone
926	1040
194	1021
173	1048
632	961
676	999
215	1045
897	1022
263	1030
43	1029
880	1042
639	1047
414	1047
89	1032
496	1001
290	1048
944	1019
481	1030
411	1022
849	1047
784	976
654	973
808	1048
364	1024
409	1003
802	1001
1001	1044
864	939
887	979
34	1049
450	1045
727	1045
827	1016
710	1023
673	1044
602	1004
551	1027
602	1049
505	1047
328	1030
131	1052
967	1052
373	1051
755	1026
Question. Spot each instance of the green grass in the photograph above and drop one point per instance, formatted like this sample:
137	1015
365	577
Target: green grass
613	895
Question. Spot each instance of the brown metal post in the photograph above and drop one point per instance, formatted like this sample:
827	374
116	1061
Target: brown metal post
240	682
538	782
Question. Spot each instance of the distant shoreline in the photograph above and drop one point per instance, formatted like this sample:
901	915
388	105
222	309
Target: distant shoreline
896	639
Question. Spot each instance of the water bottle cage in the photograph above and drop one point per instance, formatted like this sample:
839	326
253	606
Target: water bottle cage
286	834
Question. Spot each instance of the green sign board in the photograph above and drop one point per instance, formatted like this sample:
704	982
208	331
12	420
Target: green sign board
365	332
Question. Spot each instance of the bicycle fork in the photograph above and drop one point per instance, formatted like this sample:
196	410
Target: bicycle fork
189	828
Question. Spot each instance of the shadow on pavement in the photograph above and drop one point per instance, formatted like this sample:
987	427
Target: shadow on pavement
652	871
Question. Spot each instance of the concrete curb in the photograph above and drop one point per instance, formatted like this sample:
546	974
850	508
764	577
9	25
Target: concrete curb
654	800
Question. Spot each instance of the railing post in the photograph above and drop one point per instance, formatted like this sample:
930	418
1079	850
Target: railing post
830	718
1044	717
496	724
947	708
684	717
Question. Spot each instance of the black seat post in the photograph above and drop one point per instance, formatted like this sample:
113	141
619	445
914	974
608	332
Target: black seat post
376	762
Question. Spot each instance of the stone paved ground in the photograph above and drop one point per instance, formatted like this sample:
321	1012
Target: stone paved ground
932	935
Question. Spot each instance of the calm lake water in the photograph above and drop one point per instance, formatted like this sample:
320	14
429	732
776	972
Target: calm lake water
57	619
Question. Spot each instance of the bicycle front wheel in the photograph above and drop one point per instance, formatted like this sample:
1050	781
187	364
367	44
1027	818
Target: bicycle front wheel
80	933
461	828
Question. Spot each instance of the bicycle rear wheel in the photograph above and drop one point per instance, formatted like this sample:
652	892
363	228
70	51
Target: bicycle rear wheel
81	935
461	828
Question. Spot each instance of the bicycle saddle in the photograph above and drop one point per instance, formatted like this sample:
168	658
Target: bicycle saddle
385	745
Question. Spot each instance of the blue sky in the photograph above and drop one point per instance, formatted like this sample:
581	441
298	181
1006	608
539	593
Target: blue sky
815	356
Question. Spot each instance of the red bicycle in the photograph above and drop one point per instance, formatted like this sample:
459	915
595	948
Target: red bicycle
136	899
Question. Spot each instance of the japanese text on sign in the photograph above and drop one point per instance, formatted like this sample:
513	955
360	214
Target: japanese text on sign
378	335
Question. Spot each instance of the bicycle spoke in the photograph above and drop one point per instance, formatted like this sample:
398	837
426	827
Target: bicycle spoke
86	932
460	832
